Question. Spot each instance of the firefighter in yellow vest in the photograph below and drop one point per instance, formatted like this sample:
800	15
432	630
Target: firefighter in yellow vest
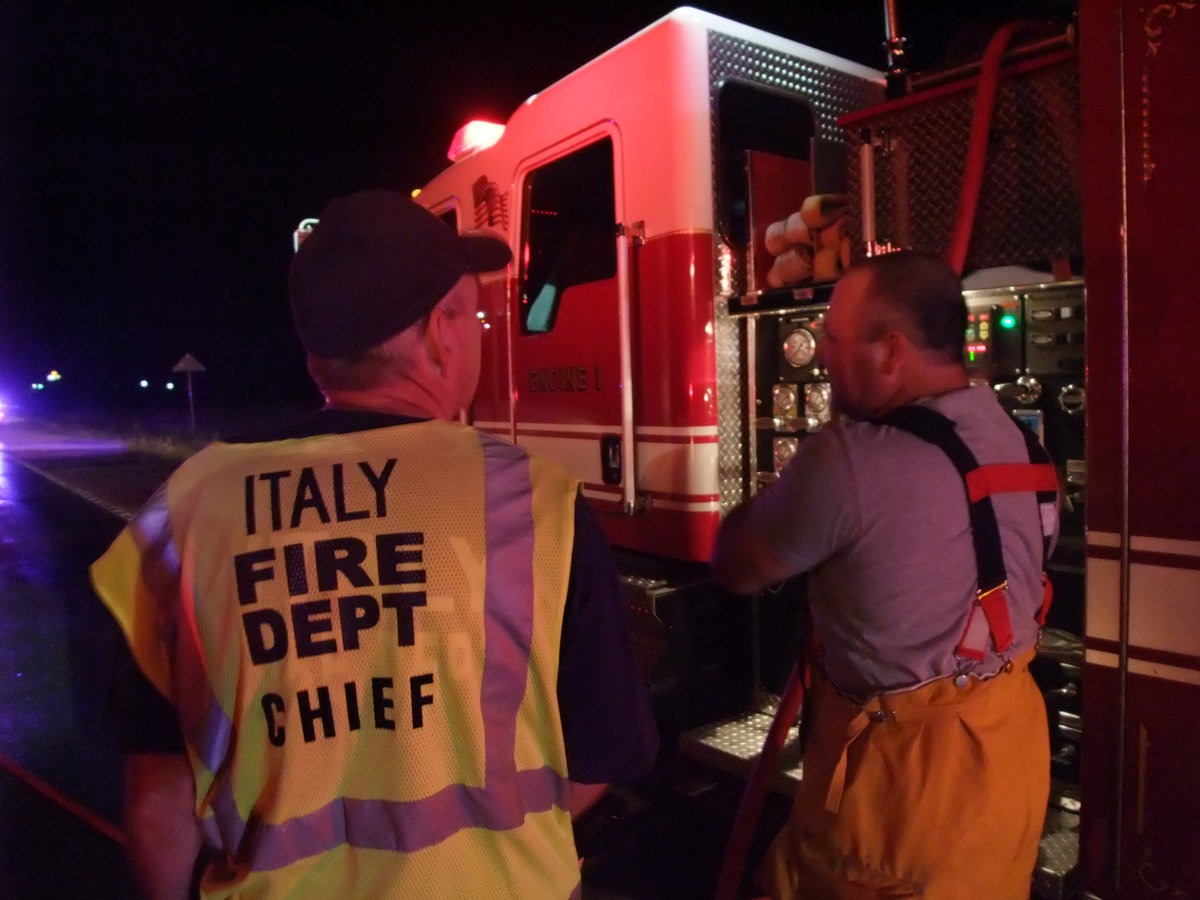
926	763
385	651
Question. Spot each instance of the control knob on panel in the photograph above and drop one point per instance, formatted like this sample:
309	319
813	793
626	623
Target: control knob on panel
1072	399
1025	391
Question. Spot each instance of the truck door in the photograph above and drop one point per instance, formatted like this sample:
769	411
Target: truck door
567	331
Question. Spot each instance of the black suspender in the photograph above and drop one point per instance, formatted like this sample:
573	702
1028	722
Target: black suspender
1038	475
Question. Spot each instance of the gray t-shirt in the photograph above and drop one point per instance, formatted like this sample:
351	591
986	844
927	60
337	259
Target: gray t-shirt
879	518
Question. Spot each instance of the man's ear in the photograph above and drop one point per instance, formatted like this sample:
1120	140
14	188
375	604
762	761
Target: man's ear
896	349
439	343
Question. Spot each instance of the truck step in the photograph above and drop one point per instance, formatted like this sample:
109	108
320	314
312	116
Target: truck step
733	745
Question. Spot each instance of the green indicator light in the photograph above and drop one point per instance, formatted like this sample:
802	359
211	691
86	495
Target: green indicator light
1008	321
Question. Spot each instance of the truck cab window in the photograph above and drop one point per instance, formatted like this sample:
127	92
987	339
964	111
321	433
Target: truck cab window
569	233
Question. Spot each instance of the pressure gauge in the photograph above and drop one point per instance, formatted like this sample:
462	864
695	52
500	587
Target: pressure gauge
816	398
784	399
818	406
785	449
799	347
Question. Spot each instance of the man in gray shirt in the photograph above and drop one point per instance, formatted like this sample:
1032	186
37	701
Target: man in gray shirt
927	764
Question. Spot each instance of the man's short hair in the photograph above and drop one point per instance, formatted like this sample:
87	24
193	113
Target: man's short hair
372	367
368	369
919	294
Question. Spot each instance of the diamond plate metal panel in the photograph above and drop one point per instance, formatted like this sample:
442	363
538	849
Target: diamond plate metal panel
1029	208
1056	875
732	439
734	745
829	93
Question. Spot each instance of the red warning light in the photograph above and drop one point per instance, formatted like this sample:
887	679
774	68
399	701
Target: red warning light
475	135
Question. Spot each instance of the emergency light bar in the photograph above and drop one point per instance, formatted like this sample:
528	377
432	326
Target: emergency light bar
475	135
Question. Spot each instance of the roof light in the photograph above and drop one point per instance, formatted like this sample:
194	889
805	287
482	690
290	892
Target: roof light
303	230
475	135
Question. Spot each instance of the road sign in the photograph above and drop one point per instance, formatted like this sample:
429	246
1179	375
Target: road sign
188	363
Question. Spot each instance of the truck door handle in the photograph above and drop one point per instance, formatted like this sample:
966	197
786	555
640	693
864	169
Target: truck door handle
610	458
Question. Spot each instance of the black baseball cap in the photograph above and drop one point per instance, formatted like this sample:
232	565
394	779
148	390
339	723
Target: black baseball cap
375	263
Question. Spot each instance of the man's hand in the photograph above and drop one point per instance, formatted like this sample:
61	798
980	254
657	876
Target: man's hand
162	835
742	561
582	797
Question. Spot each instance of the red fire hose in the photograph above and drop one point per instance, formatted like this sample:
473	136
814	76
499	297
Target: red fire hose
764	769
977	146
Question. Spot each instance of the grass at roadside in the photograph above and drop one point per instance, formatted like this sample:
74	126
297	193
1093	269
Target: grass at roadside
165	434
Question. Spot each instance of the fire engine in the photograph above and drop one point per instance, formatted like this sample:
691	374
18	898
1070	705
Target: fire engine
641	338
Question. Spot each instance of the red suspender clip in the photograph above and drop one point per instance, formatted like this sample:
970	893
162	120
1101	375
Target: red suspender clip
994	623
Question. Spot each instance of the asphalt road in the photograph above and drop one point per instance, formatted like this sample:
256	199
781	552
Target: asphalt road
60	770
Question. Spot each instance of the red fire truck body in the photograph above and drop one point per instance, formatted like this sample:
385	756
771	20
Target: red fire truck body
623	381
1140	85
634	340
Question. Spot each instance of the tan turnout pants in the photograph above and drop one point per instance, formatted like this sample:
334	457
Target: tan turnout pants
938	793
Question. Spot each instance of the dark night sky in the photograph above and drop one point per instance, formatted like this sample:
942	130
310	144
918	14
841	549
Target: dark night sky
155	157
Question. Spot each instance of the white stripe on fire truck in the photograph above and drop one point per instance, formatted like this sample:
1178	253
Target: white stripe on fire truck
592	430
662	499
703	503
700	434
711	506
499	429
1146	544
1144	667
1163	591
704	432
681	469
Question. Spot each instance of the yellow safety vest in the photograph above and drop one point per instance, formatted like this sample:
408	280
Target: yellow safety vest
361	635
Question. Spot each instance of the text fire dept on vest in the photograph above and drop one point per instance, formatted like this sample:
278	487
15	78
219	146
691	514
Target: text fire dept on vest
384	597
